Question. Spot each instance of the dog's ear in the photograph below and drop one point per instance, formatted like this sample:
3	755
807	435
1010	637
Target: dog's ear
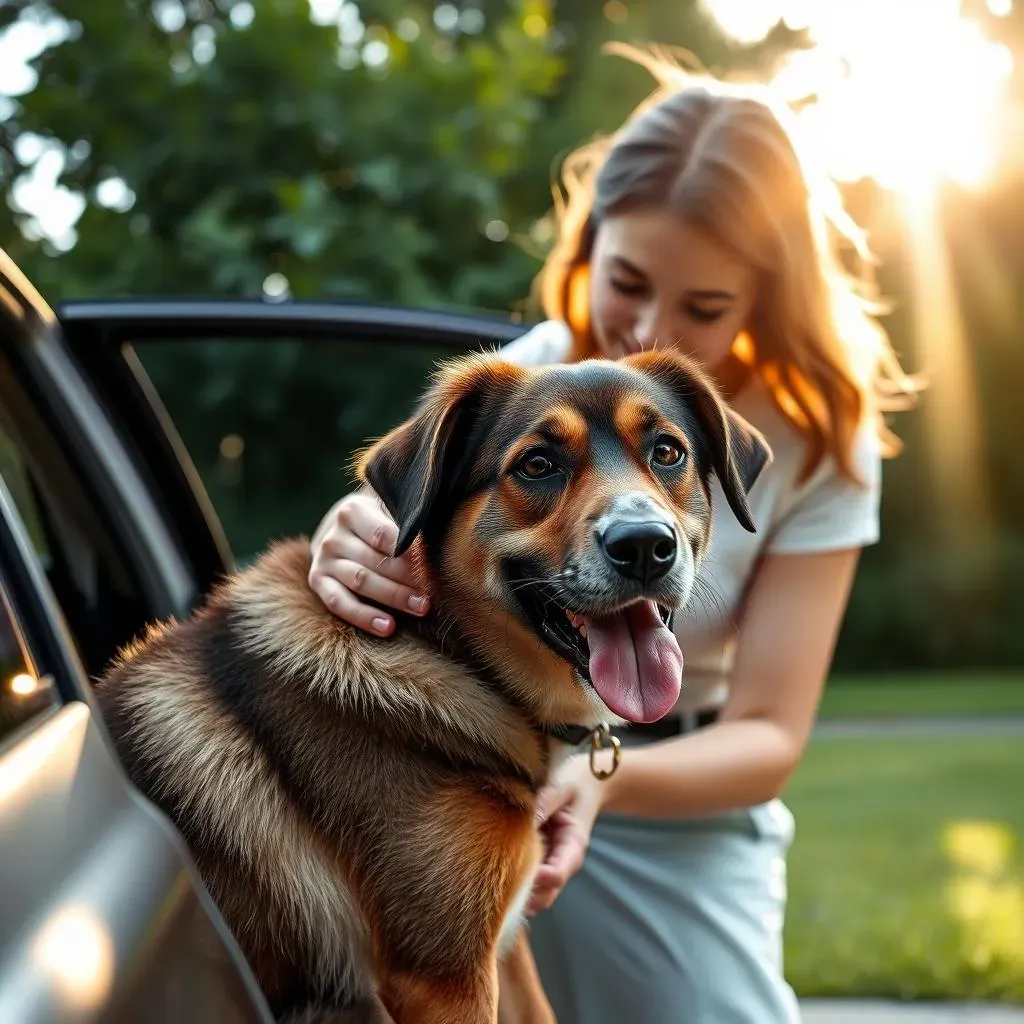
738	451
423	459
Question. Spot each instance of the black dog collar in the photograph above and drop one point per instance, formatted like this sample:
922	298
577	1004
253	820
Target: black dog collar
601	738
574	735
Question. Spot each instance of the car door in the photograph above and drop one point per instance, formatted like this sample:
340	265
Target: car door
103	916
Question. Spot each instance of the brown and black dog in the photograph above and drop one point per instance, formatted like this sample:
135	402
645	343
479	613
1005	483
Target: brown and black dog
362	809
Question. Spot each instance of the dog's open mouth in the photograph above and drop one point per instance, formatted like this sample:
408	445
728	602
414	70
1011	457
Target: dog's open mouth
630	655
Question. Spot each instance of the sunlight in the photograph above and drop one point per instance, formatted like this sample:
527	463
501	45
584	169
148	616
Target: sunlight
909	95
981	846
983	895
746	21
904	92
75	952
951	411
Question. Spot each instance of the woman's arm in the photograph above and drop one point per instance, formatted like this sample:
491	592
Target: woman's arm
787	636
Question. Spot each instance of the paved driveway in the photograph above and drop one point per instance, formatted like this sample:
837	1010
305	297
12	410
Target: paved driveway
870	1011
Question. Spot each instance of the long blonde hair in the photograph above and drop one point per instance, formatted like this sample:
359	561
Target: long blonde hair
724	156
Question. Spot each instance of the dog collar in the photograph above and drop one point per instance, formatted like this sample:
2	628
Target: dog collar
574	735
600	737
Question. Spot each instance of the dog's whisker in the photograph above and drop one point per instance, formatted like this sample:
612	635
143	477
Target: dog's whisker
708	590
529	582
708	600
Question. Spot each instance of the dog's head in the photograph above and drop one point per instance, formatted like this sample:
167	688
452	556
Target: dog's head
563	512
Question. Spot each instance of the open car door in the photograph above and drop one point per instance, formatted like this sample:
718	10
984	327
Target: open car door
103	916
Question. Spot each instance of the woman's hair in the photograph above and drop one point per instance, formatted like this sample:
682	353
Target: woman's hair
725	157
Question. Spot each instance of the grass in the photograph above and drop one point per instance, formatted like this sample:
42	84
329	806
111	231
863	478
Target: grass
967	694
906	878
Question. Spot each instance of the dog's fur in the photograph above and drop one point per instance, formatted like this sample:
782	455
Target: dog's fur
362	809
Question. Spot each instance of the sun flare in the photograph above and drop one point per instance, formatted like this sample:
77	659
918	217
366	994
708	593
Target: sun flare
905	92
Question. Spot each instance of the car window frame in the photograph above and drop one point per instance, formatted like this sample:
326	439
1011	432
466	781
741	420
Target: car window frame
52	653
45	369
101	335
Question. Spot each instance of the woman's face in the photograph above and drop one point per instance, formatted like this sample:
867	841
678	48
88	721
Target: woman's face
655	282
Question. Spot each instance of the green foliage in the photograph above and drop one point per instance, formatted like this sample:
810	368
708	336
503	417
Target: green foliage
949	695
260	149
914	608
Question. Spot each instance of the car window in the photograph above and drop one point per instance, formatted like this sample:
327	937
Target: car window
272	424
24	693
15	475
93	581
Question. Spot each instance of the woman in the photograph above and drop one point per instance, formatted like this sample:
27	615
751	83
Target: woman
698	226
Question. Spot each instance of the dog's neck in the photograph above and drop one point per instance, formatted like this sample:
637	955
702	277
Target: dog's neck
497	669
558	738
445	634
470	632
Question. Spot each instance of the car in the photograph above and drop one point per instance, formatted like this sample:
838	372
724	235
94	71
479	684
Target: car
111	494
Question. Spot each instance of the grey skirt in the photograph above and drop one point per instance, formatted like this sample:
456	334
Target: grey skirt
673	922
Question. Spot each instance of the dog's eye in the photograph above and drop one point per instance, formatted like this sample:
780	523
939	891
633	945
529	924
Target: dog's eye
667	452
535	466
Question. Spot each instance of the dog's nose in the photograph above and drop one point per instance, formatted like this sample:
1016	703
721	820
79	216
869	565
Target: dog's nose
642	551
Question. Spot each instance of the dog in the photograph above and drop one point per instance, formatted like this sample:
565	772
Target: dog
362	809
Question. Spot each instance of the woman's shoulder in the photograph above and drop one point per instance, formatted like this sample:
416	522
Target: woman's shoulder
790	446
545	343
826	510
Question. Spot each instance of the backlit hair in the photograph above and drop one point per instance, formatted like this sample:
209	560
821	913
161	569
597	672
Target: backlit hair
724	157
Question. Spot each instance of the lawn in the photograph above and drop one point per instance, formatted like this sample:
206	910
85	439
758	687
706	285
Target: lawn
906	877
964	694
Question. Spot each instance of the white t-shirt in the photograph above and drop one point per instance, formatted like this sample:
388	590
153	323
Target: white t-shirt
827	512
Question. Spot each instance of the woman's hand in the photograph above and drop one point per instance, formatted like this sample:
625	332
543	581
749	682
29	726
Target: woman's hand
566	810
352	559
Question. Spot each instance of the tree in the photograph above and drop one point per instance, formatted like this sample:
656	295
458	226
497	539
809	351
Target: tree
357	160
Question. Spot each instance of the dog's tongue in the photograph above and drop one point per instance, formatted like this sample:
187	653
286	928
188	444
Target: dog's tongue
635	662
